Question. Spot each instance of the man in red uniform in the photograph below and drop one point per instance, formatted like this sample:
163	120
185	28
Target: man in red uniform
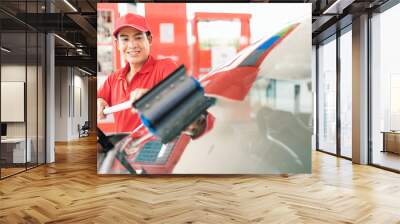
141	73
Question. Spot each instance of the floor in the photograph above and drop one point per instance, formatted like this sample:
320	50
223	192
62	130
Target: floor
13	170
387	159
10	171
70	191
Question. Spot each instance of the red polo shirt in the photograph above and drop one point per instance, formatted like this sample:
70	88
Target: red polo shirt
117	90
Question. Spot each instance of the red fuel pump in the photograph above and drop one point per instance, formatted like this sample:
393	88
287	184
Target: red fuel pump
202	58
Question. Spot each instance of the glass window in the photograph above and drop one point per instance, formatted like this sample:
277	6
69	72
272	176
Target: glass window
327	96
385	84
314	80
346	94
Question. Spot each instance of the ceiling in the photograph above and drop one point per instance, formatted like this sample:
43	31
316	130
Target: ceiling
76	23
76	20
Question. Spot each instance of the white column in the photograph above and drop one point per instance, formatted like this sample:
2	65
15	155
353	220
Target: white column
360	90
50	108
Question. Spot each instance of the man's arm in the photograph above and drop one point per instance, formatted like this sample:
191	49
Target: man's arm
101	105
103	97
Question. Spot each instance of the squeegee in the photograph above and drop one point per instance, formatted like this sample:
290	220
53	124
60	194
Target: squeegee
165	111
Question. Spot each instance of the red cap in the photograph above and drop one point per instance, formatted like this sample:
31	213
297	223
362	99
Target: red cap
131	20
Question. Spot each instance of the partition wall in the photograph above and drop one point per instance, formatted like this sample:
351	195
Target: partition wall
22	76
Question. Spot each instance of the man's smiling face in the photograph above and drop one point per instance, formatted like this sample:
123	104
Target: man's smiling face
134	45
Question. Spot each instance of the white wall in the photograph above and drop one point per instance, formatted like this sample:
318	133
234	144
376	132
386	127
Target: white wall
80	83
33	127
61	103
14	73
17	73
70	83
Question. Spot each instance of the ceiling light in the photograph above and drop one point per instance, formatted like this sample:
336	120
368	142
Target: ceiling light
5	49
338	6
70	5
65	41
86	72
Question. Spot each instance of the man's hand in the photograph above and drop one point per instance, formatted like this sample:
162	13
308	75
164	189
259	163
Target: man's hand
101	105
197	128
135	95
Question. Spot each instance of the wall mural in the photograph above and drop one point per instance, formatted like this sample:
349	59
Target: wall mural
181	113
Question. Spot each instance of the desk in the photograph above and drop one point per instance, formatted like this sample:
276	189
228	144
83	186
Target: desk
391	141
15	148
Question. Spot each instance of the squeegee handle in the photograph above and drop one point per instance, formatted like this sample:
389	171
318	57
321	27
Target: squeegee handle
118	107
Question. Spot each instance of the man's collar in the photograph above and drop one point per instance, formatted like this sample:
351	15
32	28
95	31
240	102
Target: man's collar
148	65
146	68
